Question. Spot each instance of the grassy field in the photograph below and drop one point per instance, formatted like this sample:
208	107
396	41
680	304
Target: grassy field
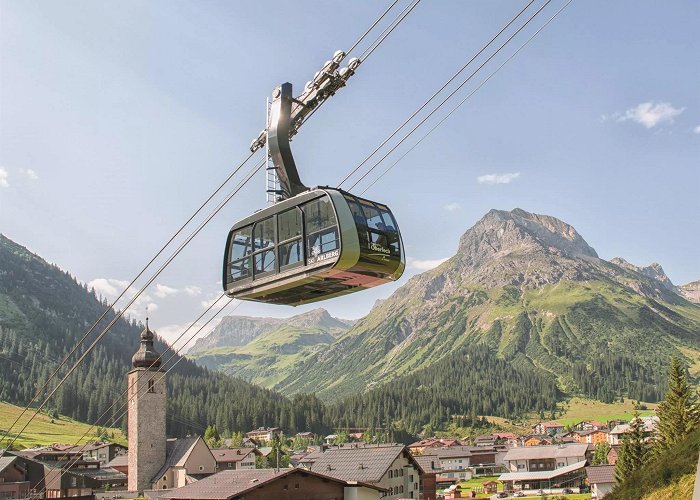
41	431
681	490
577	409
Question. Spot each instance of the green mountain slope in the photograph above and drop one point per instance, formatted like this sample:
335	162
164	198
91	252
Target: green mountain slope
532	291
44	311
277	345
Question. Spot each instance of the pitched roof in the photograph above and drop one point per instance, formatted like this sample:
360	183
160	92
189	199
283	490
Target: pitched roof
461	451
540	452
119	461
176	453
541	475
6	461
354	463
231	483
429	463
231	454
599	474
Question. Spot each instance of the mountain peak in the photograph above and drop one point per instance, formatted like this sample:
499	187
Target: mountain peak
653	271
501	232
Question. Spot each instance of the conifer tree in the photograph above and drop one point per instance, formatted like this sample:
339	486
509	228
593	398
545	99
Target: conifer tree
678	413
634	451
600	456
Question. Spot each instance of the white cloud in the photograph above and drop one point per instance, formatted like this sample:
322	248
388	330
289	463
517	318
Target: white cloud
209	302
498	178
451	207
650	114
110	288
163	291
696	130
3	178
424	265
192	291
29	173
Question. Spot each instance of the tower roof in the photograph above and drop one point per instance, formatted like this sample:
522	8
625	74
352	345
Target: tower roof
146	356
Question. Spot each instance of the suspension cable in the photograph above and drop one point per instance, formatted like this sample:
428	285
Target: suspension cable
112	305
178	419
449	96
435	94
359	40
133	299
466	98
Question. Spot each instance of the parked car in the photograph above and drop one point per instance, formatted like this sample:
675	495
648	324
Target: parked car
519	494
567	491
502	494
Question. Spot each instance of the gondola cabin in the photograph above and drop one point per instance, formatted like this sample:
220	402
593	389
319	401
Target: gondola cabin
319	244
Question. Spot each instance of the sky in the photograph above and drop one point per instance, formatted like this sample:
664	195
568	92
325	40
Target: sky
118	119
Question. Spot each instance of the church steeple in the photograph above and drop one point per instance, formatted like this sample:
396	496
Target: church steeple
146	356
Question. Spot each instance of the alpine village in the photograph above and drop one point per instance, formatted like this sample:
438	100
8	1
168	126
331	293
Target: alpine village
523	364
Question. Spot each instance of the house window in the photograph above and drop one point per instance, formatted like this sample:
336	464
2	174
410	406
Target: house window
201	467
165	487
400	489
151	386
410	477
391	490
391	474
401	473
296	486
521	466
230	464
165	478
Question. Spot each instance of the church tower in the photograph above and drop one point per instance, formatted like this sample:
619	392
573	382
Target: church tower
146	399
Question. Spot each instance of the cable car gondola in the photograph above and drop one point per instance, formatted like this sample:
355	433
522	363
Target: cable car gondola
312	244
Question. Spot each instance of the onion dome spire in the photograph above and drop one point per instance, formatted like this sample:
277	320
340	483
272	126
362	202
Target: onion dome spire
146	356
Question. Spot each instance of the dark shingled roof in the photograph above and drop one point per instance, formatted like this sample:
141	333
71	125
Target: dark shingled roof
231	454
367	464
601	474
119	461
5	462
231	483
429	463
175	451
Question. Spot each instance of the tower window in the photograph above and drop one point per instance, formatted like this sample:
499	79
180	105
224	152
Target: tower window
151	386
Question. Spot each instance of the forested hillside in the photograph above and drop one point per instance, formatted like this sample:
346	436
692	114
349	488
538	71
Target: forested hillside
44	311
528	288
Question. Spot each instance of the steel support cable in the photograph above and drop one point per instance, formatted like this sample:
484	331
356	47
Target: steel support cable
379	19
175	353
467	97
375	45
133	299
435	94
377	41
112	305
388	30
450	95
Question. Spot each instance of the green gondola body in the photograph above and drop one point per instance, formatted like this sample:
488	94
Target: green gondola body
319	244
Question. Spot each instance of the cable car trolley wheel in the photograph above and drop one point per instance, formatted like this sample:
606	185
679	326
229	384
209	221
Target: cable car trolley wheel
320	244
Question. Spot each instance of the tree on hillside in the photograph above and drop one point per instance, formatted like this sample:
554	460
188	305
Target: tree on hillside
634	451
236	440
679	413
600	456
211	436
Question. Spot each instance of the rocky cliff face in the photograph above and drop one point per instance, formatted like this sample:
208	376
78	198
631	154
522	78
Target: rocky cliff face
235	331
691	291
528	287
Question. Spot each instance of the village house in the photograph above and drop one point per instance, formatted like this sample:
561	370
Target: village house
263	434
537	440
390	467
234	458
265	484
66	473
459	461
187	460
102	452
547	428
539	467
601	479
591	436
589	425
616	434
430	465
613	454
419	446
13	478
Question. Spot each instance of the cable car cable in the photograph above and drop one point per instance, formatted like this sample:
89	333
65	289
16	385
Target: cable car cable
175	353
436	93
451	94
133	299
467	97
112	305
359	40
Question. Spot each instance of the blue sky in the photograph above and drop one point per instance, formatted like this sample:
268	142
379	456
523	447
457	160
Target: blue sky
118	119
